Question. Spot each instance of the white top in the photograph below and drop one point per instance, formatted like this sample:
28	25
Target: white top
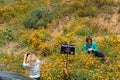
35	72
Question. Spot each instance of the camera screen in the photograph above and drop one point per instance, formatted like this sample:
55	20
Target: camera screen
67	49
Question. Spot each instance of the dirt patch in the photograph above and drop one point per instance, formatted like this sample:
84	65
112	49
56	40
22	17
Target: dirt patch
110	22
2	26
11	47
55	28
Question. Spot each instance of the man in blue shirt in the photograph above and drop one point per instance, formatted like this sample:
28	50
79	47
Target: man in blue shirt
91	47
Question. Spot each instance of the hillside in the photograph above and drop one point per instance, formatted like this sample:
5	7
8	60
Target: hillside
42	26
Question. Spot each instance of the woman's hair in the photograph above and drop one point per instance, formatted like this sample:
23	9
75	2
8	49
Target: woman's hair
88	38
31	59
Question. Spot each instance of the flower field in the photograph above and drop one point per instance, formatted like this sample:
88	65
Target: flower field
42	26
81	65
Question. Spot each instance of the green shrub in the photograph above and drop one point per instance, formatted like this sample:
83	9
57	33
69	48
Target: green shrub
88	9
81	9
6	35
38	17
104	2
107	9
84	31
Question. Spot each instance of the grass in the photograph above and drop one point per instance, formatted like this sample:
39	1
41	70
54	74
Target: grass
81	66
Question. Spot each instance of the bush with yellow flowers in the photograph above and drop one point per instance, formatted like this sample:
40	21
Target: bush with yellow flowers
39	40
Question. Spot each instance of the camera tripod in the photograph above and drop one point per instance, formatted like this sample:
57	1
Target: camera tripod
67	49
66	63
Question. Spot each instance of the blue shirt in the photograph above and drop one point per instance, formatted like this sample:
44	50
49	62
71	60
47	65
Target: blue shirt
35	72
93	46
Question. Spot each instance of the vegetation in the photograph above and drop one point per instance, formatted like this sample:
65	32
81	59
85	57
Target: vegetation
6	35
41	26
40	16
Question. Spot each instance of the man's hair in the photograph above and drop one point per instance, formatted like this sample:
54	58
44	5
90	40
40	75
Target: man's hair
88	38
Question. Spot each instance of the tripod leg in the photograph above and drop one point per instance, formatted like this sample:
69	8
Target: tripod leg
66	74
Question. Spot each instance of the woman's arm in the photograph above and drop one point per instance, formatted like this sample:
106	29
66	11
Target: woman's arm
95	48
24	61
85	48
25	58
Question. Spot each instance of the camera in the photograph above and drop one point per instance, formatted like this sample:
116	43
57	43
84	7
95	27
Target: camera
67	49
27	54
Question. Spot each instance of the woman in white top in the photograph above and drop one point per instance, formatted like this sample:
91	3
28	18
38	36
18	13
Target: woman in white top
33	63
